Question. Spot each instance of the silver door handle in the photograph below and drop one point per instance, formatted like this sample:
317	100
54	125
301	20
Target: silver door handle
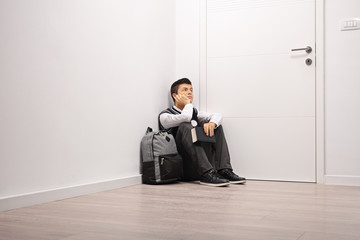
308	49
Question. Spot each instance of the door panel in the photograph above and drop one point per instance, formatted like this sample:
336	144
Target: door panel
258	27
272	148
264	90
259	86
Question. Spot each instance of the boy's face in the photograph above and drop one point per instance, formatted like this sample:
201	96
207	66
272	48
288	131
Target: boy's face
186	90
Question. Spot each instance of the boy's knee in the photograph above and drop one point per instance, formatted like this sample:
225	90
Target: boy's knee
185	125
183	130
219	129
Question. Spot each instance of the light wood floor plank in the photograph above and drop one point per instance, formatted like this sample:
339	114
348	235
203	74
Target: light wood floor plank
257	210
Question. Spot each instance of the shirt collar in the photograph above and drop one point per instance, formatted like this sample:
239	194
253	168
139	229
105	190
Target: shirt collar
177	109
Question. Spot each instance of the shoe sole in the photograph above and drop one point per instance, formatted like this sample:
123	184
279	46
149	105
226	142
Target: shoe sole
238	182
215	184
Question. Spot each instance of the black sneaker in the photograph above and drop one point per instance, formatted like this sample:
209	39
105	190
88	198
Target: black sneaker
212	178
231	176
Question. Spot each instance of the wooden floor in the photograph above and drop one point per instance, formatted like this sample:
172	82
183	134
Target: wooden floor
257	210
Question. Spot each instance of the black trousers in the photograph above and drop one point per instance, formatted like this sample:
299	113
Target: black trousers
199	158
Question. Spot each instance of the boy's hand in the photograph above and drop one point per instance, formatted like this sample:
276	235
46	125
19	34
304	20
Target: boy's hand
182	99
209	128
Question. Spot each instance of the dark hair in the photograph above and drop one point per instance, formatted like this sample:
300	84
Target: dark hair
175	86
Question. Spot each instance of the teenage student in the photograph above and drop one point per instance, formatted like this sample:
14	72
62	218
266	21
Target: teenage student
209	162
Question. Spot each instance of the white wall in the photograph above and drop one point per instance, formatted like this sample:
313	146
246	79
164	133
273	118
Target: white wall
187	43
342	94
342	83
79	83
73	72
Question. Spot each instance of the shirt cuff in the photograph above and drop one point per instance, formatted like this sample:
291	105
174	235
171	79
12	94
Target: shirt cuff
217	124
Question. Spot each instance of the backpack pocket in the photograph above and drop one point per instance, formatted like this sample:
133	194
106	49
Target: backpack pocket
148	173
170	167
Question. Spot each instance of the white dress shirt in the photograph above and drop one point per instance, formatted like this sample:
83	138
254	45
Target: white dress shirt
169	120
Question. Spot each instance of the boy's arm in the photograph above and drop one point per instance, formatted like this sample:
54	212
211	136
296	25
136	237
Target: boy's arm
171	120
206	117
211	121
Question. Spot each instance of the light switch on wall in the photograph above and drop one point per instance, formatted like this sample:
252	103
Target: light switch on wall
350	24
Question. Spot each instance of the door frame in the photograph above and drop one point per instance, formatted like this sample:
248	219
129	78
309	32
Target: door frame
319	81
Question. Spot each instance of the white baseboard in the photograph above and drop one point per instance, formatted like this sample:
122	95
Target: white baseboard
342	180
23	200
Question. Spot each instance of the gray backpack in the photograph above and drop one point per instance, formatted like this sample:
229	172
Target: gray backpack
160	160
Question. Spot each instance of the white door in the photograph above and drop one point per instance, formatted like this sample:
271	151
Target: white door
265	91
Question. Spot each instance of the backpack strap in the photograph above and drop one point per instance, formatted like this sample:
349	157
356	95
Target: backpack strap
148	130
